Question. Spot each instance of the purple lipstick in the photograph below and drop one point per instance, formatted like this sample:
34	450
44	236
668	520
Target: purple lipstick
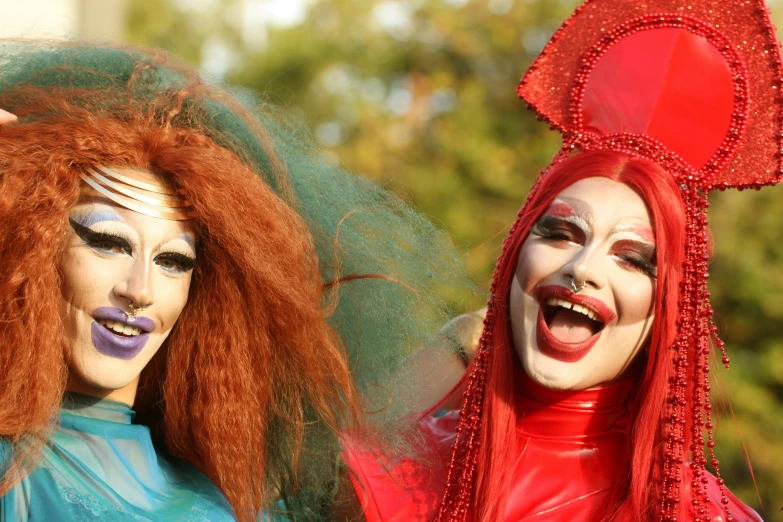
116	334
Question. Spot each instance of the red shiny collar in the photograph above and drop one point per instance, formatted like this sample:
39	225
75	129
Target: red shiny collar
546	413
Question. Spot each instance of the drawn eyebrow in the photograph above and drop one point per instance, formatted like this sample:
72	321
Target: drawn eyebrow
564	212
560	209
90	217
573	207
188	238
643	231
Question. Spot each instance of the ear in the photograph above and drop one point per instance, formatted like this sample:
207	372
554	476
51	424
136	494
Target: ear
6	117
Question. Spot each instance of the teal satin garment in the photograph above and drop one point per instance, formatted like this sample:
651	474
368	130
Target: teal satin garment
98	466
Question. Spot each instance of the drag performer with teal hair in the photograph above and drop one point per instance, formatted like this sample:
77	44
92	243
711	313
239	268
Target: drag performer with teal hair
193	304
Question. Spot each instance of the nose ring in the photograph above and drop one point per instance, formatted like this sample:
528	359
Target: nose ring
577	288
135	309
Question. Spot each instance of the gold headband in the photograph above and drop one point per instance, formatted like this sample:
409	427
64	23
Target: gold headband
156	200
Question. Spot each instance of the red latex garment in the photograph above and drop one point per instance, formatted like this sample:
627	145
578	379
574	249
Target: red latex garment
572	448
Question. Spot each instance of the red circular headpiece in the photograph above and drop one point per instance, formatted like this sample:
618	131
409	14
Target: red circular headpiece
695	88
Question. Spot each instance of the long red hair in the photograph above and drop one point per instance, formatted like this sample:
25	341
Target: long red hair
484	452
251	361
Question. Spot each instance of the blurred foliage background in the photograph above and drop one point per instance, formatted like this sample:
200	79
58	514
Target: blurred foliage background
419	95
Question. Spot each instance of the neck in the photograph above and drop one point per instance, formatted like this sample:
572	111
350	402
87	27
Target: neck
126	394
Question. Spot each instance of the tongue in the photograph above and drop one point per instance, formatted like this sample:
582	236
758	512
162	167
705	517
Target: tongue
571	327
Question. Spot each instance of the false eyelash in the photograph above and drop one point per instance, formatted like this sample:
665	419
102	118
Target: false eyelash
553	228
640	255
91	237
186	262
642	264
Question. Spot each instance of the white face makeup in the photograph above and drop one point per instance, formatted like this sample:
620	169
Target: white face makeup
115	256
599	232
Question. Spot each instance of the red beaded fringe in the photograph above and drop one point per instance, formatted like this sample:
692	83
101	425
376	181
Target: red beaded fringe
691	358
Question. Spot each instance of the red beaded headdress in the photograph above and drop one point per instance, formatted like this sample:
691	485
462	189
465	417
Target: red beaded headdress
696	88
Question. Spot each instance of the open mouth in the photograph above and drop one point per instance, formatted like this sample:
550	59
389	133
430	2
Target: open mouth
115	334
570	322
569	325
121	329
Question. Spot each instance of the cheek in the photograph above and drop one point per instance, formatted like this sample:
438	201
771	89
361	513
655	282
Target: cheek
535	263
524	277
171	298
86	279
635	299
533	266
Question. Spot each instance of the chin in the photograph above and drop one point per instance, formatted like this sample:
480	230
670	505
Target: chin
102	375
103	384
541	369
548	372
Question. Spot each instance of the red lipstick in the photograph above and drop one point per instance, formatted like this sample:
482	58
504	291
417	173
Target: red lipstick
553	347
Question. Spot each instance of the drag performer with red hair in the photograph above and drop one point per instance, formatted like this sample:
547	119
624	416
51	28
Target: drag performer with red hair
168	248
589	396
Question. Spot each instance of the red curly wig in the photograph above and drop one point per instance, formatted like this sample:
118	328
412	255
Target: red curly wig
228	389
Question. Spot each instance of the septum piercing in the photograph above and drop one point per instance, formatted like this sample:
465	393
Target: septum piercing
578	288
134	309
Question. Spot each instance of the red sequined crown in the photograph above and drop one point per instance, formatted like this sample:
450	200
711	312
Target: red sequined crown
695	86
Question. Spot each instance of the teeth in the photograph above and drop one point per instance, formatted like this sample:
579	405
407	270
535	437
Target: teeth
121	328
573	306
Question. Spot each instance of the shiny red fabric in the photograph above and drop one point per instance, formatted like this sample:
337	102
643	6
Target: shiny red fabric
668	84
572	449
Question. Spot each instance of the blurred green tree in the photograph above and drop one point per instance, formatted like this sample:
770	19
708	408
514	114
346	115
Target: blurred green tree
419	95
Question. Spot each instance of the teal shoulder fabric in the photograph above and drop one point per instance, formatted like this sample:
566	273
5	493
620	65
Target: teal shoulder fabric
99	466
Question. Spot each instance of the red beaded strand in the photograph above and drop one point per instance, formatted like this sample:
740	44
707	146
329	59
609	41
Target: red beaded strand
711	332
700	258
675	455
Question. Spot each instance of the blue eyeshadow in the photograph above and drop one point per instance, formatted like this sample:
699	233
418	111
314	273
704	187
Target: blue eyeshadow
87	219
187	238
